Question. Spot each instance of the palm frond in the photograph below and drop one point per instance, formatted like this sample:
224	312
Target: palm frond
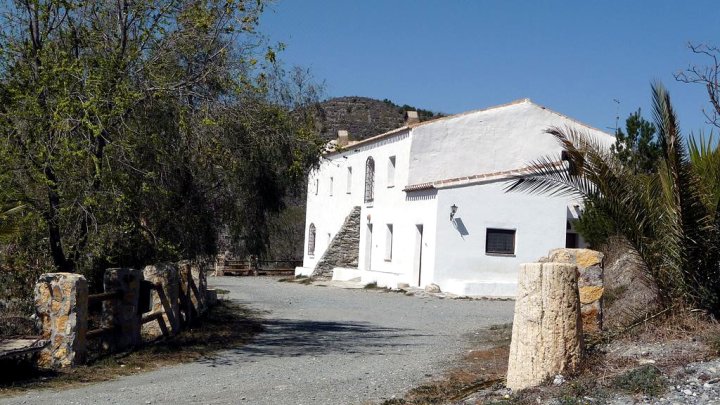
670	217
704	154
8	228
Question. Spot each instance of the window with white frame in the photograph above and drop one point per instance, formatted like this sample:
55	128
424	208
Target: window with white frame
311	240
388	242
500	241
369	179
391	172
349	180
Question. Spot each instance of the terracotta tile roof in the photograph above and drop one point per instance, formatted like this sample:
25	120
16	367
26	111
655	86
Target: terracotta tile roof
419	187
475	179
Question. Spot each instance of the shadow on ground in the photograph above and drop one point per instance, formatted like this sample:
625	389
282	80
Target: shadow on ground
295	338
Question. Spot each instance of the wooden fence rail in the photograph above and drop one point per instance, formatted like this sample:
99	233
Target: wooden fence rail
259	267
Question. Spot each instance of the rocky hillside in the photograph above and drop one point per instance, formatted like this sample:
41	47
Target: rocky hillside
363	117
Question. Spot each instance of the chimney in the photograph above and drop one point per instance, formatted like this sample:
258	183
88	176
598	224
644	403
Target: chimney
411	117
343	138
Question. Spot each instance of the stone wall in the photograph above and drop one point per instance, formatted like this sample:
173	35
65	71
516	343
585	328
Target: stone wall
344	248
590	283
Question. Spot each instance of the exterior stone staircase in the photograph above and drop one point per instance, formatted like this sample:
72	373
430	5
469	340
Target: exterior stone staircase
344	248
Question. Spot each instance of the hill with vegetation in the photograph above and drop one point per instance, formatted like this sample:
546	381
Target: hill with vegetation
363	117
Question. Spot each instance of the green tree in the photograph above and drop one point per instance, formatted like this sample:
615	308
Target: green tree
132	130
669	217
638	147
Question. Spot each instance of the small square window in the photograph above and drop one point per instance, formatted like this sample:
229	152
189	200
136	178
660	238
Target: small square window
500	241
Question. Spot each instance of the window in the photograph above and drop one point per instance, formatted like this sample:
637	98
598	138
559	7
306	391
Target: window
331	186
311	240
369	179
391	172
349	180
317	186
500	241
571	166
571	240
388	242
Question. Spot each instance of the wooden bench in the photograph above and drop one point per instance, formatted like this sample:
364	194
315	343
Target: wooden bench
20	346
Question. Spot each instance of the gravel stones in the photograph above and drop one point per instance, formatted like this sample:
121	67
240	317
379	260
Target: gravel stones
320	346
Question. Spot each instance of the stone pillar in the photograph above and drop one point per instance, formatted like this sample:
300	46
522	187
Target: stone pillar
61	302
220	264
546	335
122	313
590	284
163	299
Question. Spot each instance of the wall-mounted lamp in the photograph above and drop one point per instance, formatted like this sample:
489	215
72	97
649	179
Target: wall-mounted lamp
453	211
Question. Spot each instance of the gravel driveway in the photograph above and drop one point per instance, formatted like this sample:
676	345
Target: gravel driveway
322	345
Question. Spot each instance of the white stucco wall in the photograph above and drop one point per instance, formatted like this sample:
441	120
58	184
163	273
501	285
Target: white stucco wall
490	141
487	141
404	213
328	212
461	264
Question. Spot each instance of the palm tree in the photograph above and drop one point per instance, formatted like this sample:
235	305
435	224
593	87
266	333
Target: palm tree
671	218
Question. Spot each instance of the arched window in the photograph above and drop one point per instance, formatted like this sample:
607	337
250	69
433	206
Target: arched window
311	240
369	179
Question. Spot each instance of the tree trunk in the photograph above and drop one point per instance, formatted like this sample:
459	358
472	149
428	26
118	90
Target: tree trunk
51	217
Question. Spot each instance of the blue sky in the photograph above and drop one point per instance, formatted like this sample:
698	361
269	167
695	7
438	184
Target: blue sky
574	57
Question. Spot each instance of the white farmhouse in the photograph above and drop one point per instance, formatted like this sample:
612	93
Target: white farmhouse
425	203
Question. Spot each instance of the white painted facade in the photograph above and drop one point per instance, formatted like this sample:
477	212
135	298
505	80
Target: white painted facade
462	160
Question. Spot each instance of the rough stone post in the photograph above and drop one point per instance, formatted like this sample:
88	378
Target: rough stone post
199	292
163	299
546	335
187	310
122	313
61	302
590	284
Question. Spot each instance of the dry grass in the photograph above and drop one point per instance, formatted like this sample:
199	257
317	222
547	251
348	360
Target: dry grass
226	325
640	361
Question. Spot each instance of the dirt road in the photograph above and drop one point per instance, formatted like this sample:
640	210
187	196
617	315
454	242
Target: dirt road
322	345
